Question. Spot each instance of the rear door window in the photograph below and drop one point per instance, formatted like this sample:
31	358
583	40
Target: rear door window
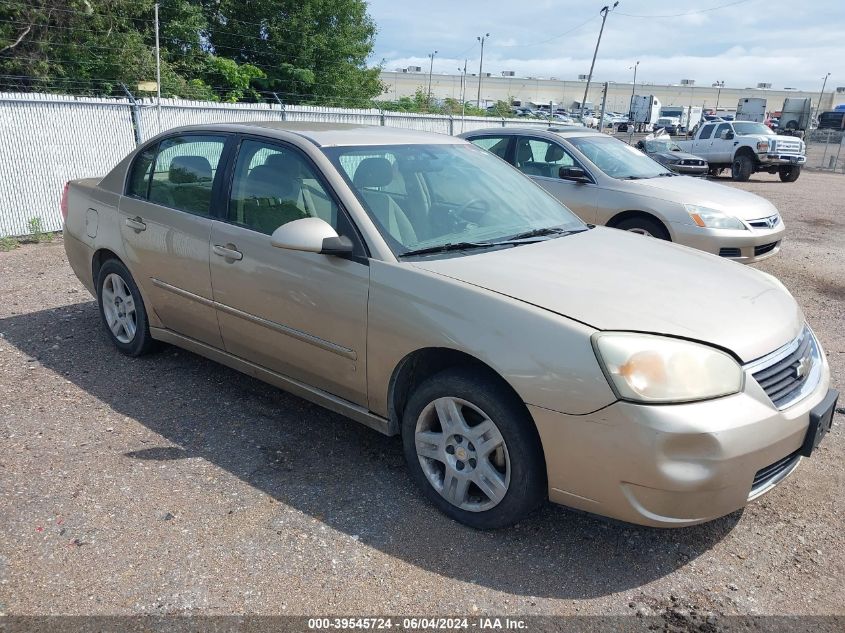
706	131
497	145
184	172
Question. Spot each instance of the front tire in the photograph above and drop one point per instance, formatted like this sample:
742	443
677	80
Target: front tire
472	448
644	226
789	174
742	168
122	309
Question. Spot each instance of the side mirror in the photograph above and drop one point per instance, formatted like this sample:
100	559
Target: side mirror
311	235
640	145
573	173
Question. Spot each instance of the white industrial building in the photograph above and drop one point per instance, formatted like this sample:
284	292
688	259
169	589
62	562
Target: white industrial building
506	86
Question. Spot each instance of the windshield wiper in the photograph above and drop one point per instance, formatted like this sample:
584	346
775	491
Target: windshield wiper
667	173
451	246
548	230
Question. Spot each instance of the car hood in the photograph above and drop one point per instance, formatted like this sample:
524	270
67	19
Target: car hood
613	280
679	155
685	189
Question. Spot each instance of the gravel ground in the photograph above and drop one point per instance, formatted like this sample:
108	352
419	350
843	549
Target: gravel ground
172	485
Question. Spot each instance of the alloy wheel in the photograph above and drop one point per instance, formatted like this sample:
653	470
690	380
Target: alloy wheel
119	308
463	454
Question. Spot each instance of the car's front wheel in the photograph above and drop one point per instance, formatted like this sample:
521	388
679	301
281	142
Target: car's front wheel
122	309
742	168
643	226
472	448
789	174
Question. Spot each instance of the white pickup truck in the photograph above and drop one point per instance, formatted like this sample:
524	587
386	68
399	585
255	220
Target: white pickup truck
746	147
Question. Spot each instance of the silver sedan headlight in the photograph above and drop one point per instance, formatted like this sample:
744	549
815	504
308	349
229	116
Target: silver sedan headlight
657	369
706	217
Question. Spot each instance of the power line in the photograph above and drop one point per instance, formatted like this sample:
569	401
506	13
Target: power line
680	15
551	39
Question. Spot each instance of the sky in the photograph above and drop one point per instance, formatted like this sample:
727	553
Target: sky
788	43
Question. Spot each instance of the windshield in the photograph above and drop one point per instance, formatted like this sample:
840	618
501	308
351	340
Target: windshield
749	127
617	159
663	145
425	196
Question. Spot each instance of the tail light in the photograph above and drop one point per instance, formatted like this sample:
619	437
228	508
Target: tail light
63	205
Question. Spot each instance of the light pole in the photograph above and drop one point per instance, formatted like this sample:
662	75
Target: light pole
430	69
633	90
463	93
604	11
720	85
821	94
481	39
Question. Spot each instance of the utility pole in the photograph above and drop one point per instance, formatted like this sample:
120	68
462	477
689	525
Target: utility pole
720	84
604	11
430	69
603	104
821	94
481	39
158	72
633	90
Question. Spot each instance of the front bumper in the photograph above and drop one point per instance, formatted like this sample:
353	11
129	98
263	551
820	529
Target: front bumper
690	170
781	159
745	246
674	465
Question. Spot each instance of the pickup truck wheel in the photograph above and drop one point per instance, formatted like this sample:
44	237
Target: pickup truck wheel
643	226
742	168
122	309
472	448
789	174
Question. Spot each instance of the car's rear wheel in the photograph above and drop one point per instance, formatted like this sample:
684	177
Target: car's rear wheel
122	309
643	226
742	168
472	448
789	174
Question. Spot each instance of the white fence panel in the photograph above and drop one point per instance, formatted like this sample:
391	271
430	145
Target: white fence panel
48	140
317	114
179	112
422	122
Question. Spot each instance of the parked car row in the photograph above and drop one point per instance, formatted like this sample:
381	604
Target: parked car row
424	286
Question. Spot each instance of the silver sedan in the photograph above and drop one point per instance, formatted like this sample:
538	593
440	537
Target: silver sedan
606	181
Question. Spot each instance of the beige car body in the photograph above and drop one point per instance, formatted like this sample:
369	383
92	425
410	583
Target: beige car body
352	336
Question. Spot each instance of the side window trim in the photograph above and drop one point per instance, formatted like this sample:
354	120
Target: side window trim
229	182
568	153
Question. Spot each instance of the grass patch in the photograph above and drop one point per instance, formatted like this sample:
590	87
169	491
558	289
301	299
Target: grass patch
8	244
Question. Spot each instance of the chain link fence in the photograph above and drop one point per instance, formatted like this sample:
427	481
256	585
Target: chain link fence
825	150
49	139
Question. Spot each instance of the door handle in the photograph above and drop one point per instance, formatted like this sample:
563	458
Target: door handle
136	224
228	253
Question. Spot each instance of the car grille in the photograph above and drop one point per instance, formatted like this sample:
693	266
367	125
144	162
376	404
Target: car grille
765	223
773	472
730	252
692	163
788	147
765	248
784	378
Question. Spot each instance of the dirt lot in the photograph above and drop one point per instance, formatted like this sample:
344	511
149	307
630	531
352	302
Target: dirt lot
171	485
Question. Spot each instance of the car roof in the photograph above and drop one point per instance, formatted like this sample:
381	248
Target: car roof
564	131
329	134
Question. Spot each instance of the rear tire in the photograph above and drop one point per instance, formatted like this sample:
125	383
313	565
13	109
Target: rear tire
472	448
122	309
644	226
789	174
742	168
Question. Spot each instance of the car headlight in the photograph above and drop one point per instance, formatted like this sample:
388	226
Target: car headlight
706	217
657	369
